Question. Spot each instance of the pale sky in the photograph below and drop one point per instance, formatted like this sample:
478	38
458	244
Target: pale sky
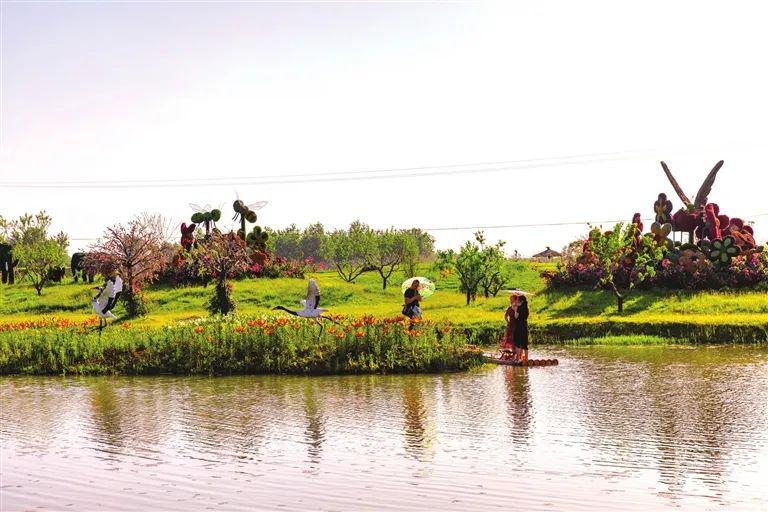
102	92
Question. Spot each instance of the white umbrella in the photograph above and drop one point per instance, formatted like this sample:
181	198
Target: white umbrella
426	287
515	291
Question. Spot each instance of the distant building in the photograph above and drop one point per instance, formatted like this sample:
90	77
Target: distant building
546	256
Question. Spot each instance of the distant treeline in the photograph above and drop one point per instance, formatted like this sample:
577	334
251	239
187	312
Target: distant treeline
293	243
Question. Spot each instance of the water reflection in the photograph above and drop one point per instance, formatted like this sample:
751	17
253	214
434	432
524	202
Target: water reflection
315	431
685	418
106	412
519	405
418	428
608	428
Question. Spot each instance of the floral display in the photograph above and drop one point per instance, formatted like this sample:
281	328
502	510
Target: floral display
721	251
235	345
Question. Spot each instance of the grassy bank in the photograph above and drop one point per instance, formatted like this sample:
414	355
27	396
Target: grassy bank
225	346
556	316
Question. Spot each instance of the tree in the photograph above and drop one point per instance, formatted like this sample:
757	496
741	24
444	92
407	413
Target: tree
288	243
389	250
349	251
312	241
36	251
39	259
4	229
445	262
136	251
623	260
425	242
475	263
496	274
469	268
221	256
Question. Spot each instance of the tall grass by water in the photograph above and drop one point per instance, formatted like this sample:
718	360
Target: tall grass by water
235	345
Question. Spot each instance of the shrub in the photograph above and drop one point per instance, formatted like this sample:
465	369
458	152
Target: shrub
221	257
283	267
231	345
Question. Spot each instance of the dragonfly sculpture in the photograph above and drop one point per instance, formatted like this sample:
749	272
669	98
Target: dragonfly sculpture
702	196
246	213
206	215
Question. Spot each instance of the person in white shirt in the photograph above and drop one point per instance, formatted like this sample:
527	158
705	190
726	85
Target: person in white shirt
114	293
101	300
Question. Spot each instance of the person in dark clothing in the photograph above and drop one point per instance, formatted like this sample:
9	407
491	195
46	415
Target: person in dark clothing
510	318
411	307
521	329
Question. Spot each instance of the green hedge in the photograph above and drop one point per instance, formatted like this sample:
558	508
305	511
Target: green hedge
561	331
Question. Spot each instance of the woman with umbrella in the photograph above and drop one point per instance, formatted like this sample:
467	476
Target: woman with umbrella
516	333
521	327
415	290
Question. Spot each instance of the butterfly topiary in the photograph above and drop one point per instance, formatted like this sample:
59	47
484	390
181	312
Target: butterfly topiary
663	209
661	234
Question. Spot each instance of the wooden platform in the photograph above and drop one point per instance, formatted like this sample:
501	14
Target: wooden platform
491	358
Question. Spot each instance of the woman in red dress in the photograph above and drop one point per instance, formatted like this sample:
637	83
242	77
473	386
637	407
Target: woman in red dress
509	316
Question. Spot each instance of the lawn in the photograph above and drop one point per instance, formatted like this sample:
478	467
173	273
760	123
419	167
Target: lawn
555	315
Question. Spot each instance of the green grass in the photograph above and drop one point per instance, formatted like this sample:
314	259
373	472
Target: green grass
555	315
235	345
624	340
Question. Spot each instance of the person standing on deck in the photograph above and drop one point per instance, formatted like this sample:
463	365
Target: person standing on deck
509	317
521	329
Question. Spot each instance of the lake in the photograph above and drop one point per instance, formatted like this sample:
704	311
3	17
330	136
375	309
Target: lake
609	428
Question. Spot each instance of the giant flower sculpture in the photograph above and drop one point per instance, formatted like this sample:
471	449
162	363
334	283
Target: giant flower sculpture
722	251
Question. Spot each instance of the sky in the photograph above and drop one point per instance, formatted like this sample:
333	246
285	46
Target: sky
433	115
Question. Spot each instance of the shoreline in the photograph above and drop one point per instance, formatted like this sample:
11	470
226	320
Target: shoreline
269	345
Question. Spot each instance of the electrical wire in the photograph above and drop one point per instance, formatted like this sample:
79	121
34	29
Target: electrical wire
336	176
516	226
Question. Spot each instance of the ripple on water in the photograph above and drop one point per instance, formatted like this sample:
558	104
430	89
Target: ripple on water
610	428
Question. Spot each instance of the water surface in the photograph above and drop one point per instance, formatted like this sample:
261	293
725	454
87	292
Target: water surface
610	428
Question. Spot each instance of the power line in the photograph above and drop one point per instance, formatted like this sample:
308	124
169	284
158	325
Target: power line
515	226
551	224
512	226
336	176
323	173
